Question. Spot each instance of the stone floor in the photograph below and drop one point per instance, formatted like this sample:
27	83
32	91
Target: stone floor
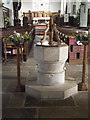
20	105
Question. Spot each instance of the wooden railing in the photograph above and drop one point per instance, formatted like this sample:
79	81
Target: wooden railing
45	34
56	34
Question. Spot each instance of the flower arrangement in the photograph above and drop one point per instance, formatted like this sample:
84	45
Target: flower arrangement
81	38
17	38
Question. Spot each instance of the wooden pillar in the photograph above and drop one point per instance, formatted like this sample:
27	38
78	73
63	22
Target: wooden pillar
30	19
83	85
18	67
19	87
5	45
22	53
84	63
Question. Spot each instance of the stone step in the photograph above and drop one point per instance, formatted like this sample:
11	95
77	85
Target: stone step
58	91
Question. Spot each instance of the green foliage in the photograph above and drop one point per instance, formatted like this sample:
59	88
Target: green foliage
26	37
82	37
17	38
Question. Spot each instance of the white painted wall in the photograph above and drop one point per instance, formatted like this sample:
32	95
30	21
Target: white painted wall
40	5
26	6
7	4
88	5
54	6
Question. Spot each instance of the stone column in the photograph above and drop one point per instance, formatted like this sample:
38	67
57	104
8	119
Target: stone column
83	14
62	8
1	16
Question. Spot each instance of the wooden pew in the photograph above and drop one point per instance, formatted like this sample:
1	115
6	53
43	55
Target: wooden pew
20	29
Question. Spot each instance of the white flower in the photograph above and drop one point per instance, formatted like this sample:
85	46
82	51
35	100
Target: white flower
66	36
18	34
77	31
26	32
79	43
21	36
15	32
86	32
85	35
